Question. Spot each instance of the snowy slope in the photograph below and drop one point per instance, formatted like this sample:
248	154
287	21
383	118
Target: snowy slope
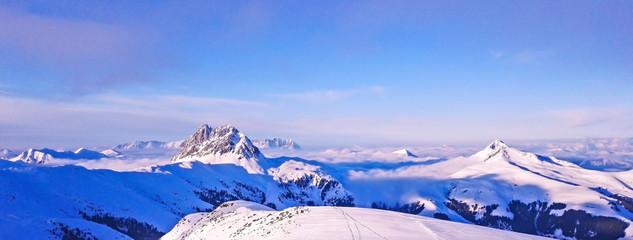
68	201
506	188
247	220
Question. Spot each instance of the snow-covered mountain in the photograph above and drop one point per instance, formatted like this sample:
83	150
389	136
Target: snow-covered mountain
606	154
111	153
506	188
248	220
41	156
499	187
276	143
67	202
137	145
404	153
6	153
224	144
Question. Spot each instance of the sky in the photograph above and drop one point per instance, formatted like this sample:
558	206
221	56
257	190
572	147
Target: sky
325	73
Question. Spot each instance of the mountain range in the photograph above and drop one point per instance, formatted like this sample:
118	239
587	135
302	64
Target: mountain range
44	155
277	143
499	187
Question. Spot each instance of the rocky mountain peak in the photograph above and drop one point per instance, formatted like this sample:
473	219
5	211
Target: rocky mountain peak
202	134
223	144
496	147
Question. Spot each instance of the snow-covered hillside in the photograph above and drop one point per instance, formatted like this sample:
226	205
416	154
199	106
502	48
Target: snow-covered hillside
498	186
506	188
66	200
248	220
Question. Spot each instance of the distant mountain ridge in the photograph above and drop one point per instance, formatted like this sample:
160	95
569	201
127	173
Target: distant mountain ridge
276	143
44	155
6	154
138	145
611	154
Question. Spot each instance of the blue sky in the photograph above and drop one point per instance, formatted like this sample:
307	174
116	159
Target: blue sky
99	73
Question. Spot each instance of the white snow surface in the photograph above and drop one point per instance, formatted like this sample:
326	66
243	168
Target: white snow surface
293	170
245	220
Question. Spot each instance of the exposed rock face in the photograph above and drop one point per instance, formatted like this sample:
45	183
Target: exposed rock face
305	184
537	218
412	208
224	144
193	144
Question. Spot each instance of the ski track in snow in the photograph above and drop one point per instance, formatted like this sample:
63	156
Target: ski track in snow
347	222
431	233
356	222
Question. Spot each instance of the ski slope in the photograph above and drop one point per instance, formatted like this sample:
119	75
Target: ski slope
247	220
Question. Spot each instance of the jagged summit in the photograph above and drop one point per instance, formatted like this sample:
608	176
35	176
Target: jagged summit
193	144
223	144
201	135
497	146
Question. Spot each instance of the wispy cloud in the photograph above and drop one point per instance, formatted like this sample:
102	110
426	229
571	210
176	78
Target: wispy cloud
53	39
79	55
523	56
112	118
582	117
332	95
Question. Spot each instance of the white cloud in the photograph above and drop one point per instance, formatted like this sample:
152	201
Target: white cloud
112	118
582	117
523	56
331	95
